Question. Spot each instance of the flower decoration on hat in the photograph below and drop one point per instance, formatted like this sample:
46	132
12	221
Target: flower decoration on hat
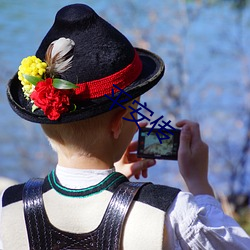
40	82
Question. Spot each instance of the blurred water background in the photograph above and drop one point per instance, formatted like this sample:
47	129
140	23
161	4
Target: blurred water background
205	45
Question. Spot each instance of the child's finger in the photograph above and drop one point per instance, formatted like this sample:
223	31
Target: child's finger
182	123
137	176
144	173
132	158
142	164
142	125
196	135
132	146
194	127
185	140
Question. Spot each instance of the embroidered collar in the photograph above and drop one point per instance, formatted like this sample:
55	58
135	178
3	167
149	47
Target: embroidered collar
108	183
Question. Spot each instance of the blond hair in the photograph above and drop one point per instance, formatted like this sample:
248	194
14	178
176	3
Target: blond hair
80	136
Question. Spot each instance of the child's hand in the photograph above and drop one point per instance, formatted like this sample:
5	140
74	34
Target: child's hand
193	158
130	165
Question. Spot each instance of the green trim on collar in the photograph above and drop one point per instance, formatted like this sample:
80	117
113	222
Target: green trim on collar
106	183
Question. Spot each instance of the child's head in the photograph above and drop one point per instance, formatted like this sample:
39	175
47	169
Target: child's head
83	68
89	137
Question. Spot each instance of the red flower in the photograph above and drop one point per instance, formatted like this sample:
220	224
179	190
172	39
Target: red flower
52	101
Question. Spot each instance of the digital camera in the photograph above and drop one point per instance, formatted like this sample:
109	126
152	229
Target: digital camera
157	145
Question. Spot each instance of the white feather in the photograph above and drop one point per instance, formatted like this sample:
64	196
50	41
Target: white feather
62	46
56	55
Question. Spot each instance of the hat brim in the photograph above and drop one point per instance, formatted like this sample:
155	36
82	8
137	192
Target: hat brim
152	72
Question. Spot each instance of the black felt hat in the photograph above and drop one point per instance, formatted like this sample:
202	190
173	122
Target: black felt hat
102	58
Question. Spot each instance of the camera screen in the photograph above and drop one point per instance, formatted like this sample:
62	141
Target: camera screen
150	146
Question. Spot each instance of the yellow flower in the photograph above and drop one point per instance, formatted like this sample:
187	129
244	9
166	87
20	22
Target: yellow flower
32	66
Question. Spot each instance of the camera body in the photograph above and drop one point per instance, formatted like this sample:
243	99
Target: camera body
155	145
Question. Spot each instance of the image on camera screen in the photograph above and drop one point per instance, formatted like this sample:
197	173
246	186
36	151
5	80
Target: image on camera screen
150	147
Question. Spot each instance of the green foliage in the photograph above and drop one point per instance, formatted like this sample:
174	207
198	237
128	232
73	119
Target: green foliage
32	79
57	83
240	4
63	84
244	219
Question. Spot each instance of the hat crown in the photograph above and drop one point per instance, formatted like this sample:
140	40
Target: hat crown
100	49
76	13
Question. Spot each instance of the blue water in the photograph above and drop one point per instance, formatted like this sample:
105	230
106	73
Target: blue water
207	66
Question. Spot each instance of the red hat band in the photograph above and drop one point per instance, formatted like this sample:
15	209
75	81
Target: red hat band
100	87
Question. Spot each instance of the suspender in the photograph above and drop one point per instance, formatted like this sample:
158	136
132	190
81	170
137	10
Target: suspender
44	236
39	236
113	220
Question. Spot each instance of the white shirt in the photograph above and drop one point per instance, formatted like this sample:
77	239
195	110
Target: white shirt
192	222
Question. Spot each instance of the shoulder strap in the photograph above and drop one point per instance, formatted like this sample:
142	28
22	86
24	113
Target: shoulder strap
34	215
113	220
107	236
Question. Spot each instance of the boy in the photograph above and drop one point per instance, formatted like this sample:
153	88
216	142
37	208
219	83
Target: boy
69	88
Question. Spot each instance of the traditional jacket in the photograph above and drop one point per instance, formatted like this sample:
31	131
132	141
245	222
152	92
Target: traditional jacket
78	211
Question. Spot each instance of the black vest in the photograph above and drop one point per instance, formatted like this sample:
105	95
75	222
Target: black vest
44	236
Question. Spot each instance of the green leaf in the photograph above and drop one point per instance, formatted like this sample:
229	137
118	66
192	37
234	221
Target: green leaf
74	108
32	79
63	84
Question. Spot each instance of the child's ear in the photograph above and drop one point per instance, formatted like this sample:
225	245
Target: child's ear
117	122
